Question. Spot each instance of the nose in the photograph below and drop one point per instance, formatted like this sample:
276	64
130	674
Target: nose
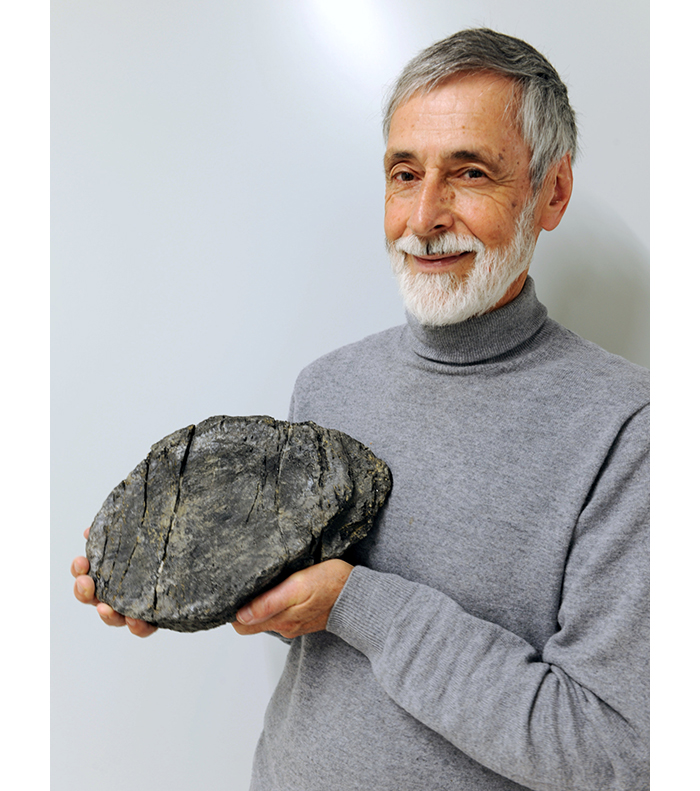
432	208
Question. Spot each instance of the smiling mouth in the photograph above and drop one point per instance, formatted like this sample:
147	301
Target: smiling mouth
439	261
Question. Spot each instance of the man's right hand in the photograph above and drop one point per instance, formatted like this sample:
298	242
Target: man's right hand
84	590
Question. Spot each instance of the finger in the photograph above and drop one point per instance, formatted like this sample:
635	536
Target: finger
79	566
86	533
271	603
258	628
290	623
84	590
140	628
109	616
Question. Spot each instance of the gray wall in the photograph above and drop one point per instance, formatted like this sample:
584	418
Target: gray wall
216	225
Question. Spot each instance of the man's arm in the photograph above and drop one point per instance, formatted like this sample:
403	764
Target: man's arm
572	717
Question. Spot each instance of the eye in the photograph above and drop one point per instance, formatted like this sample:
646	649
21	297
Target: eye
474	173
404	175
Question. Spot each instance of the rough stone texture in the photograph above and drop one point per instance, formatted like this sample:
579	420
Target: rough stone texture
223	510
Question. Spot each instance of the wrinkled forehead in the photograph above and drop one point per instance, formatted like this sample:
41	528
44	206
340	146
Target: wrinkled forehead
473	106
509	113
486	81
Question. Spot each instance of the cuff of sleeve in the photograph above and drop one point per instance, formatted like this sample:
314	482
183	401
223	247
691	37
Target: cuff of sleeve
366	608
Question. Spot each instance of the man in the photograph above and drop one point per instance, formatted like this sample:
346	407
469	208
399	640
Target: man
491	632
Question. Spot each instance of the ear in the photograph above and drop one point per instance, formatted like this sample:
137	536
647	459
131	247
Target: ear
556	193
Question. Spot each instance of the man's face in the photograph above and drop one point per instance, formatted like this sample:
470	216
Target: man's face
456	165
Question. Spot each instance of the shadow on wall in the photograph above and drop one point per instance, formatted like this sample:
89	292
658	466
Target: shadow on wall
592	273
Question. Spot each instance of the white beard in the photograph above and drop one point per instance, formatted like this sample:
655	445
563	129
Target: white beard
440	299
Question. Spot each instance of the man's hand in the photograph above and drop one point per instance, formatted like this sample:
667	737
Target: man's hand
299	605
84	590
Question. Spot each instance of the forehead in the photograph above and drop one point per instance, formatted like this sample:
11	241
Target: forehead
466	112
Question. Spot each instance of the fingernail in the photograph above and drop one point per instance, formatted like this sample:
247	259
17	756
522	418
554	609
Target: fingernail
81	590
244	615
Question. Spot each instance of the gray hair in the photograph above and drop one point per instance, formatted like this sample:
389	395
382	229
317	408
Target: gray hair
546	120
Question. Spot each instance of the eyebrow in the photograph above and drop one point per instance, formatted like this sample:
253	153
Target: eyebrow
461	155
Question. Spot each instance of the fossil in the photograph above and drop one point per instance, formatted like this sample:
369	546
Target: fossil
221	511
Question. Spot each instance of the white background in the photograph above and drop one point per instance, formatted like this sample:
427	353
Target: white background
217	200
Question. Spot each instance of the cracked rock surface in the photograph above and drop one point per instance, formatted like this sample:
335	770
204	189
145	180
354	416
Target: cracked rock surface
223	510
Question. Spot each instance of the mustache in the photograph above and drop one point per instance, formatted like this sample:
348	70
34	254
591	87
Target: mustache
447	243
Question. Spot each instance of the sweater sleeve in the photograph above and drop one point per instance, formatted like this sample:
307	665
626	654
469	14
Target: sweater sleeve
574	717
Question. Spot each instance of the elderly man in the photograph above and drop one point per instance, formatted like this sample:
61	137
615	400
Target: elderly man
491	632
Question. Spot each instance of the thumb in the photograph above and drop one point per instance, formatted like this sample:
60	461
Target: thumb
273	602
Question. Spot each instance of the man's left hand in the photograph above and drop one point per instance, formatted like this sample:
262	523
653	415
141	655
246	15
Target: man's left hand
299	605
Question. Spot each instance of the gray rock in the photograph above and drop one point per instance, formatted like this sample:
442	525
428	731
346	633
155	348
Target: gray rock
221	511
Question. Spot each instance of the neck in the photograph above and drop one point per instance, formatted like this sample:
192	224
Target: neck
513	290
481	338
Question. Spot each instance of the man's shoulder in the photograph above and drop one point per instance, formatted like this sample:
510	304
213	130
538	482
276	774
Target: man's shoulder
587	366
371	350
326	390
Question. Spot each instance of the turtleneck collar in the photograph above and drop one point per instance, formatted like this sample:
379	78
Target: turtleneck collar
482	337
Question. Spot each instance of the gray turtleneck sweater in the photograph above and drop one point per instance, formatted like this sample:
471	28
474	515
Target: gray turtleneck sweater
493	634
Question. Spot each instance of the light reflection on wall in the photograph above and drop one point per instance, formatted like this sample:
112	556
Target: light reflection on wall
357	36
